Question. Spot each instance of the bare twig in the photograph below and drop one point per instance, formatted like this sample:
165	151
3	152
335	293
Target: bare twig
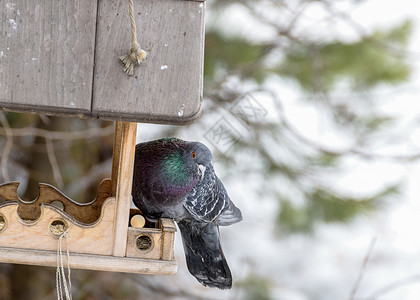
321	148
7	147
53	162
395	285
59	135
83	182
281	30
362	269
49	137
359	29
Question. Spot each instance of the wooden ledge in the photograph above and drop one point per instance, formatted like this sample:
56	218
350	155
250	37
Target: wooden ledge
89	262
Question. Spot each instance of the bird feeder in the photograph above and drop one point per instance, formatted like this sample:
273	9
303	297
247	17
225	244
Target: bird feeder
62	58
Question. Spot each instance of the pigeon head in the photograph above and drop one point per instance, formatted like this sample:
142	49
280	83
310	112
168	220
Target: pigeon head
190	158
199	153
172	166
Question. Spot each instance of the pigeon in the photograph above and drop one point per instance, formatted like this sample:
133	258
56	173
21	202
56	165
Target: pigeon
176	179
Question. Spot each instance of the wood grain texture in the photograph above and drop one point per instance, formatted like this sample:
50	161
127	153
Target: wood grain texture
95	239
86	213
46	55
92	239
154	234
89	262
162	238
122	178
167	87
168	236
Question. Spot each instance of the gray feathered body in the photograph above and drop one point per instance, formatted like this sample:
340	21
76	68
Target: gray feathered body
175	179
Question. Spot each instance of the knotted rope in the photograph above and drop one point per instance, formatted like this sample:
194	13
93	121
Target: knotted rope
137	55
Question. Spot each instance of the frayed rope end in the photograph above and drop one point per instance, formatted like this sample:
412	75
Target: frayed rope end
136	56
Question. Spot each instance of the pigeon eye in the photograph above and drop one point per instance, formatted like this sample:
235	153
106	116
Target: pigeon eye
193	155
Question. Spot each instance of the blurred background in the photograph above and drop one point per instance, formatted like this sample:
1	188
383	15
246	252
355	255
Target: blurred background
312	112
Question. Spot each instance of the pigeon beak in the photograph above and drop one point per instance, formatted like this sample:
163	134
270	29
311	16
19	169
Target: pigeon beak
202	170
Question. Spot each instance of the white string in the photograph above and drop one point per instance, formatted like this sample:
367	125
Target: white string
61	280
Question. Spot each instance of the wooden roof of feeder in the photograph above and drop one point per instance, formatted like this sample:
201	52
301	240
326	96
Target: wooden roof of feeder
62	58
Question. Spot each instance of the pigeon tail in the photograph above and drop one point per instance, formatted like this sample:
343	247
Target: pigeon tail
204	255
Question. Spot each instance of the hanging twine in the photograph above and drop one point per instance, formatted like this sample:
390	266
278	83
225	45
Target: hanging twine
60	277
137	55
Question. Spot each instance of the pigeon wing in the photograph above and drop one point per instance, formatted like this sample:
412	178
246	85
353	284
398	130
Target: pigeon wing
208	201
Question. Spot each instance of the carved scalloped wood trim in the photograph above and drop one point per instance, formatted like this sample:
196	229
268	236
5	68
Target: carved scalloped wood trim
82	212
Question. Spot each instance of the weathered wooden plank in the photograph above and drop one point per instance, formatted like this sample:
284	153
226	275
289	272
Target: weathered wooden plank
168	236
122	178
46	55
167	87
94	238
89	262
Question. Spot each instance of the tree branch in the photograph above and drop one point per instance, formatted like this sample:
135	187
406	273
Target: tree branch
58	135
362	269
395	285
7	147
53	162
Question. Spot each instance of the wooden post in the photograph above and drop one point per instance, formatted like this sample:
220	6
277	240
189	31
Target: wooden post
122	178
168	235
